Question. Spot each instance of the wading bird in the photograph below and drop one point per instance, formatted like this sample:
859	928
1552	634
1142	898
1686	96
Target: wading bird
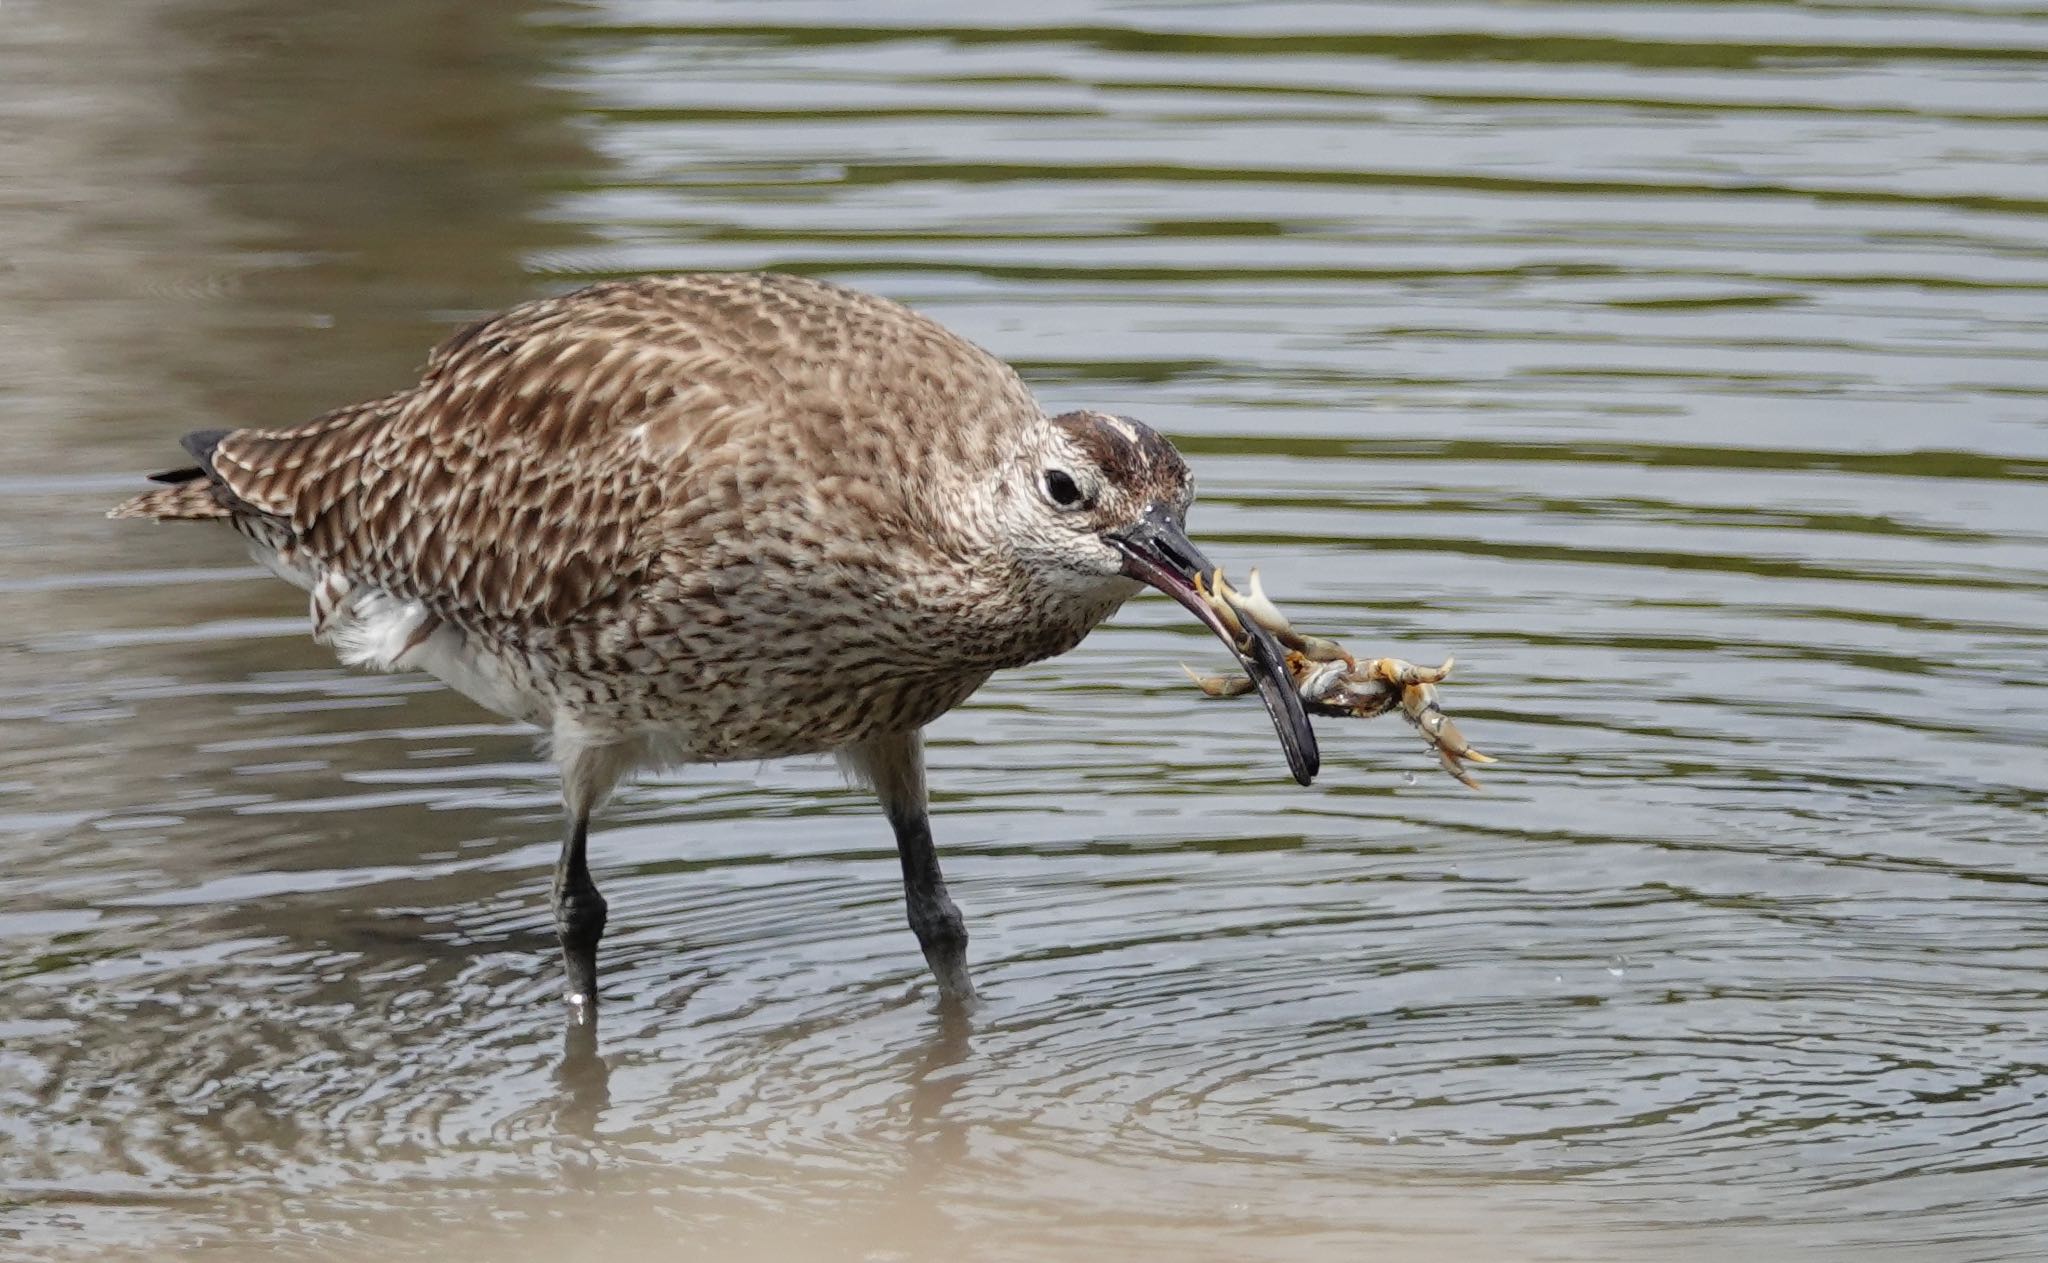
717	517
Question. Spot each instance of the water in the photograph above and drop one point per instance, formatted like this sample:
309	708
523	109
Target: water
1678	367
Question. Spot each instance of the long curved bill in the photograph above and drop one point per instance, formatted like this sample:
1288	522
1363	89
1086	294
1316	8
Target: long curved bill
1157	551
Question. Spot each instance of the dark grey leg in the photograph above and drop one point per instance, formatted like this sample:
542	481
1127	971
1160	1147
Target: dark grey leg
940	928
579	919
893	764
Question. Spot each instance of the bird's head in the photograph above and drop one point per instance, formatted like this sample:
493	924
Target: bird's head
1102	506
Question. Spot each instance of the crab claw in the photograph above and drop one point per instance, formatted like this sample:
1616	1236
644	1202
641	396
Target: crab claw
1262	610
1419	704
1316	649
1218	595
1219	685
1404	674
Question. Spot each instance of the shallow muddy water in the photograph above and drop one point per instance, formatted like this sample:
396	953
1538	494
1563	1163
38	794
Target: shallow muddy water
1678	367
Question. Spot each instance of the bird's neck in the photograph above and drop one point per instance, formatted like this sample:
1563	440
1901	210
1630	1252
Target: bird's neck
1022	616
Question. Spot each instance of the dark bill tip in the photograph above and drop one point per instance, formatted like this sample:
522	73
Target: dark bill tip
1157	551
1267	665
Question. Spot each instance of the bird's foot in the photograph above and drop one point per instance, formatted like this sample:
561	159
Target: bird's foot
580	914
1331	681
956	989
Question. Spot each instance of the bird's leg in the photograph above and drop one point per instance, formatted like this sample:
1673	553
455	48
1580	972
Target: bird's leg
579	919
894	765
590	769
941	930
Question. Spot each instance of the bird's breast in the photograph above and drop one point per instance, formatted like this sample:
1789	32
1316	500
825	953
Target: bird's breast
757	661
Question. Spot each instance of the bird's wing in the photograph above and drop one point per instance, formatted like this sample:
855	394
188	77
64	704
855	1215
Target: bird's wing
554	457
510	486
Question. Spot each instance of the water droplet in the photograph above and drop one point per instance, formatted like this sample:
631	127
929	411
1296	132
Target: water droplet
1408	778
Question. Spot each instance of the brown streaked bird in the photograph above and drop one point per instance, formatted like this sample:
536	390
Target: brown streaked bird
709	517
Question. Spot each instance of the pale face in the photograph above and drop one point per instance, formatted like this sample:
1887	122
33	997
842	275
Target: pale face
1101	507
1074	510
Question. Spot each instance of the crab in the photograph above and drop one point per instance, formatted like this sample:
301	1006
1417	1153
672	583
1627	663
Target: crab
1332	681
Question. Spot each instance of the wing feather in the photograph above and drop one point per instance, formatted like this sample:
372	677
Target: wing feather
570	457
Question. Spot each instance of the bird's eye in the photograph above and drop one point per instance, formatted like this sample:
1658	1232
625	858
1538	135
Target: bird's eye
1060	486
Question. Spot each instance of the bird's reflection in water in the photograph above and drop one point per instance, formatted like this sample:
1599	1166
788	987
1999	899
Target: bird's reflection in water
585	1078
915	1211
917	1143
932	1140
933	1082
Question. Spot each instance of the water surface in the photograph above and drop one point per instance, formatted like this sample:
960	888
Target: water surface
1677	366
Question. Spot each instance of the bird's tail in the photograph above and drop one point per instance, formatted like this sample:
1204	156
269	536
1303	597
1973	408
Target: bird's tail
191	495
192	501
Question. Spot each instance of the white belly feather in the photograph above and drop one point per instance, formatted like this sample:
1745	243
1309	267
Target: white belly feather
369	627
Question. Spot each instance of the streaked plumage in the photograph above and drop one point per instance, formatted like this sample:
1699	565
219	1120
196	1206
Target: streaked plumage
700	518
